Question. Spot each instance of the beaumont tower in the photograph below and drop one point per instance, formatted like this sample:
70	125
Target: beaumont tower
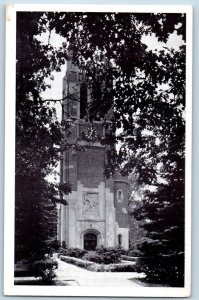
97	210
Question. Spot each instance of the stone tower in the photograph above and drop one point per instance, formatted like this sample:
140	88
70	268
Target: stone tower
97	210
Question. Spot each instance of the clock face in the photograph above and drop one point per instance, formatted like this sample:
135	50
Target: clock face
91	134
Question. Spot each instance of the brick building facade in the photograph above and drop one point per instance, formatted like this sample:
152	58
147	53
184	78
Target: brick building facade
97	210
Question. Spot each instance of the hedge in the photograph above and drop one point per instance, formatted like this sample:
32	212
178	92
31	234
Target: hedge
91	266
129	258
73	252
76	261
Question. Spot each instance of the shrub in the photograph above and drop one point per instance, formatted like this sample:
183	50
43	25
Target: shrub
109	255
100	255
128	258
73	252
100	250
166	270
45	269
91	266
23	268
121	251
122	268
63	244
109	258
76	261
55	245
93	256
134	252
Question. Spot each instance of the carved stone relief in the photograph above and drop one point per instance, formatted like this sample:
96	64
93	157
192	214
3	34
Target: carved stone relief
90	205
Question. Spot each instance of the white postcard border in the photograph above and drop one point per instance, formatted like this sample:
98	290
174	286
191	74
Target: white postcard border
9	183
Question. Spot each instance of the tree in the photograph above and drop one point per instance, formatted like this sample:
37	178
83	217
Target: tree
38	141
165	212
164	207
136	197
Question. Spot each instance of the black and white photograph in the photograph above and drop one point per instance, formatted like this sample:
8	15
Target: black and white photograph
98	150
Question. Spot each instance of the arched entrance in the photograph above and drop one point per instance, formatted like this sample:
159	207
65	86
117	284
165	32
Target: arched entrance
90	241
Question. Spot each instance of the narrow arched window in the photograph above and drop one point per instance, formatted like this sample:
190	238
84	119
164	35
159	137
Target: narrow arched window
83	100
119	195
119	239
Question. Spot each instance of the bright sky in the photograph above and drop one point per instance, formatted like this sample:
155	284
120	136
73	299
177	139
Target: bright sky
174	41
55	92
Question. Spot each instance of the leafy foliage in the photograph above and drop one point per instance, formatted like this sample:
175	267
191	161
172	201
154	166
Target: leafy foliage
167	270
94	261
35	219
100	255
73	252
38	138
45	269
164	245
76	261
93	256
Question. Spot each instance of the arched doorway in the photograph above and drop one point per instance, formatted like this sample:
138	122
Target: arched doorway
90	241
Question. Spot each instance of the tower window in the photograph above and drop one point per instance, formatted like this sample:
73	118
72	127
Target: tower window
83	100
119	239
119	196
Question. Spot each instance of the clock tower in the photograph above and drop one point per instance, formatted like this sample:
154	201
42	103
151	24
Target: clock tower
97	210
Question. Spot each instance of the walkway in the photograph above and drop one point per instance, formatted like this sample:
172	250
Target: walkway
73	275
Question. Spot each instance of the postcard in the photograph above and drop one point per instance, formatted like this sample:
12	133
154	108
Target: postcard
98	115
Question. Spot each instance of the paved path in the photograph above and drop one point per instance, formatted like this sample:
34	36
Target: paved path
73	275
